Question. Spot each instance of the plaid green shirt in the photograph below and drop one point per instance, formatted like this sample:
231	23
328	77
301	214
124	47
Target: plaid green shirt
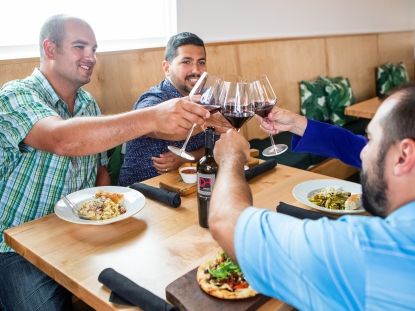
32	181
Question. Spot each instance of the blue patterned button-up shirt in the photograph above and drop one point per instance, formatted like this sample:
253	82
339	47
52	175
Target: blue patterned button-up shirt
137	164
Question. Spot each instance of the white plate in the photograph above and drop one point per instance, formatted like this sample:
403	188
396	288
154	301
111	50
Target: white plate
133	202
306	189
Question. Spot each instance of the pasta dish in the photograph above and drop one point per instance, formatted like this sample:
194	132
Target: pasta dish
104	205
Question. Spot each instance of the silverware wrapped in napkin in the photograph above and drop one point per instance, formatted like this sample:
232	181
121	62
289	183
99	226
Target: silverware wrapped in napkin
125	291
162	195
298	212
260	168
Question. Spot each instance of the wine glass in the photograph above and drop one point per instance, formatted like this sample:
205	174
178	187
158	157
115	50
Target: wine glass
205	92
264	99
236	105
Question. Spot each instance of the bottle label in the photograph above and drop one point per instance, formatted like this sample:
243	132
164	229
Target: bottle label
205	183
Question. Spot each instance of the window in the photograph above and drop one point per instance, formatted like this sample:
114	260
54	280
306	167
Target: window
118	25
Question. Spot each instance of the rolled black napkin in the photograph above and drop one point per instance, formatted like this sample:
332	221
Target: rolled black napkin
260	168
162	195
300	213
131	293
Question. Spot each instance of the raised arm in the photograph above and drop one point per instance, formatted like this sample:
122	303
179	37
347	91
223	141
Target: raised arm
231	193
316	137
88	135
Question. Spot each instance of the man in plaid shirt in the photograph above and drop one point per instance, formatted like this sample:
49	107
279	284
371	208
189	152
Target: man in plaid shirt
51	142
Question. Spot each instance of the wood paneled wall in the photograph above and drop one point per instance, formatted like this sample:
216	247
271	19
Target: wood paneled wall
120	77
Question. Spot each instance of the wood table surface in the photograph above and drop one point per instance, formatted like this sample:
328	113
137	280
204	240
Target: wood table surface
153	248
365	109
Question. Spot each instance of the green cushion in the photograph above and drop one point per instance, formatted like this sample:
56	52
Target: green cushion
390	76
339	96
313	100
325	98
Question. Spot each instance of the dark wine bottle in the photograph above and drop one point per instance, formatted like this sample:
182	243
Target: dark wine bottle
206	175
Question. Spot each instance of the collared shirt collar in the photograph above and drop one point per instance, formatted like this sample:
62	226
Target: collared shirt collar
53	98
167	86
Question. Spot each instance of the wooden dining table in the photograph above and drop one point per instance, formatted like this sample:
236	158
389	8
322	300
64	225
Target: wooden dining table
153	248
365	109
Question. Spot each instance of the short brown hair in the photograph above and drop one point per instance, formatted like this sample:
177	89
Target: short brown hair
53	29
399	123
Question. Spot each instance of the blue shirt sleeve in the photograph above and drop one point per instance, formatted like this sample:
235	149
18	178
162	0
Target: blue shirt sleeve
302	262
330	141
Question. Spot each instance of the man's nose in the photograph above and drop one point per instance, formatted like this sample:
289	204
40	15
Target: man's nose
90	55
198	68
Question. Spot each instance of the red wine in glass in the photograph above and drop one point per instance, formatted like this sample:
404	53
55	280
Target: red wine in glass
212	108
203	92
237	119
263	109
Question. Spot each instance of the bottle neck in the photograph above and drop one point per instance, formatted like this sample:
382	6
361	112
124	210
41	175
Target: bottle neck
209	152
209	141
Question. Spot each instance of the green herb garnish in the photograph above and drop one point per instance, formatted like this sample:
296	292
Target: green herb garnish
225	269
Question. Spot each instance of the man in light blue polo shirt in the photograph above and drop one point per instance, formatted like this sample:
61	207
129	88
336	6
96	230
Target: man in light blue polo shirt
353	263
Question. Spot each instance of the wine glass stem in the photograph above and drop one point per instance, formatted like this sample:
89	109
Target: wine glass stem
188	137
273	143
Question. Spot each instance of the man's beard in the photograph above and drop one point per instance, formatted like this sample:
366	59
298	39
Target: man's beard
183	88
374	198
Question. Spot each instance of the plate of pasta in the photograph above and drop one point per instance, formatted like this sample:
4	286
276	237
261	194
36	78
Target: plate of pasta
330	195
101	205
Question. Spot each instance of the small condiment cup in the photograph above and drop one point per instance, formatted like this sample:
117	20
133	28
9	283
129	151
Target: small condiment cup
188	174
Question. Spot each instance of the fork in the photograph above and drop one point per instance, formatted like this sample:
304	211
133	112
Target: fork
69	204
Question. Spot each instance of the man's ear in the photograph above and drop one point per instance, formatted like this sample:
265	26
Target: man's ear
166	67
405	160
49	48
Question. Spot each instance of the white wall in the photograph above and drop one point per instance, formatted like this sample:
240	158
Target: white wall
223	20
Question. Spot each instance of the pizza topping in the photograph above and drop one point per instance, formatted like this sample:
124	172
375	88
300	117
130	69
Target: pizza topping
222	278
226	274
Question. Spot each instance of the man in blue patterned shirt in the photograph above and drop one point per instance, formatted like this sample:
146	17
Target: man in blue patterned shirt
50	144
147	156
353	263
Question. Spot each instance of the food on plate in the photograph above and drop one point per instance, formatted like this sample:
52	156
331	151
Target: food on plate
117	198
222	278
353	202
104	205
332	198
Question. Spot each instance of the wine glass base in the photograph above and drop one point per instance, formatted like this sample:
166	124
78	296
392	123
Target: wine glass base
181	153
271	151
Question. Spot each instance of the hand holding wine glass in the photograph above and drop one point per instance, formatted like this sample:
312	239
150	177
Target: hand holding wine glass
283	120
264	97
205	92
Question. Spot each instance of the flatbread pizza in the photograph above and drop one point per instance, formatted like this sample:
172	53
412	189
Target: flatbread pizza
222	278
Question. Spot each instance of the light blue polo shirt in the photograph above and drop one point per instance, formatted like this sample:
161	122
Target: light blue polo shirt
353	263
